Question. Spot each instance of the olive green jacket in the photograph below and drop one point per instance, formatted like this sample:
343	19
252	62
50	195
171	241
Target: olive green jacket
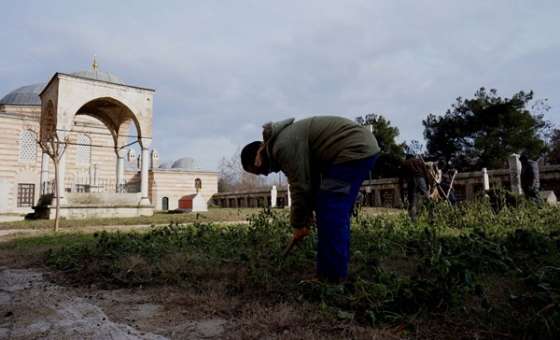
302	150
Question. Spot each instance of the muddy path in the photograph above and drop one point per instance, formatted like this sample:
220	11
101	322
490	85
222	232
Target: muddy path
31	307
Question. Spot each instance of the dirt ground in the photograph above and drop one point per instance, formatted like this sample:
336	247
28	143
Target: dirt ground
31	307
37	303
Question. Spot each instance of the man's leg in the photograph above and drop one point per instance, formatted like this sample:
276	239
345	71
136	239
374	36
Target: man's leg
338	190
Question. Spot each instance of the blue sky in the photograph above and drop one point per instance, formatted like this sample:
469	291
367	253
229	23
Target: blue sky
223	68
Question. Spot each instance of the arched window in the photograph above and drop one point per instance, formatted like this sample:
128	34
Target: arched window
198	184
27	146
83	150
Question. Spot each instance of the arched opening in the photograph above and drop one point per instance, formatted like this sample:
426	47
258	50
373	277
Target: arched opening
165	203
197	184
102	132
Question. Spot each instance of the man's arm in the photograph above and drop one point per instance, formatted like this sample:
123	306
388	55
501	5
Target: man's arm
297	169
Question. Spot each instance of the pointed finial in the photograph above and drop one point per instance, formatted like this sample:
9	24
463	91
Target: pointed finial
94	64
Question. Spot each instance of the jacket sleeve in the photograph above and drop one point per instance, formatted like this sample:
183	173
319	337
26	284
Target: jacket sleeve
297	169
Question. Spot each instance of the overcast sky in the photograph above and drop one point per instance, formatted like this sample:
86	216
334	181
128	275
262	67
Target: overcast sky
223	68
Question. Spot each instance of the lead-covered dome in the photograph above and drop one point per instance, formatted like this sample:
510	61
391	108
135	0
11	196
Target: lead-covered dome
25	95
98	75
29	94
185	163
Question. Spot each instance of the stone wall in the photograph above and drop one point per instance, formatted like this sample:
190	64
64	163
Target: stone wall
12	170
16	119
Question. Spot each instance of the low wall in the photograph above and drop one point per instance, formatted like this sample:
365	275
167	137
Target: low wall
386	193
102	205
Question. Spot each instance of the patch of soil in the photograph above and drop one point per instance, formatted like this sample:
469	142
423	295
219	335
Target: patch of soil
33	308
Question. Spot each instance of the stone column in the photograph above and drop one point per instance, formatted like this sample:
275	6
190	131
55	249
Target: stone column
485	180
397	202
120	182
469	191
44	173
273	197
377	198
144	173
515	173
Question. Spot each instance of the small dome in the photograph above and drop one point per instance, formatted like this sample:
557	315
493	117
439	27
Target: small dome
25	95
185	163
98	75
166	165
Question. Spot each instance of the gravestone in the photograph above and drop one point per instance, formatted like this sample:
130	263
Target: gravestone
549	197
485	180
273	197
199	204
515	174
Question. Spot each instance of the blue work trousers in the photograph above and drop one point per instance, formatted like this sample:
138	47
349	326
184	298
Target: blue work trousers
340	184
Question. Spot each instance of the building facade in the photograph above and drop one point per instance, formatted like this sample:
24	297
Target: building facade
102	120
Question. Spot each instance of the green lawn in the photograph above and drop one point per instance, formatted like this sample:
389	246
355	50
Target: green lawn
213	215
159	218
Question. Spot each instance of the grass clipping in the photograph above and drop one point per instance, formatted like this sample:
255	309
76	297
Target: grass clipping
464	268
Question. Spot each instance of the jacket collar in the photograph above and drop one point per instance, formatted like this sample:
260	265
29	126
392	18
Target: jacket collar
270	132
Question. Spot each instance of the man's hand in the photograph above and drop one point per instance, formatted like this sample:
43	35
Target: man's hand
300	234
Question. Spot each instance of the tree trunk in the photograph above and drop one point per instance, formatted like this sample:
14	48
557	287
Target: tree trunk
57	194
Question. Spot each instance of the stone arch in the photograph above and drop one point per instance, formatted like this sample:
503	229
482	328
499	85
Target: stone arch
113	113
117	106
165	203
197	184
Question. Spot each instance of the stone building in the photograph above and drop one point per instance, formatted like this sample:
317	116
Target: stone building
102	121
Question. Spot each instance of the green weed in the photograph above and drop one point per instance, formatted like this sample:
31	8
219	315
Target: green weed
401	273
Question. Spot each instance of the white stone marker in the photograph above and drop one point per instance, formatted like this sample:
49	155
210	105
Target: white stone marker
485	179
289	198
273	197
515	173
199	204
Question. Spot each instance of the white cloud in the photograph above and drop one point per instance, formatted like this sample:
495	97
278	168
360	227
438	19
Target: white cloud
221	69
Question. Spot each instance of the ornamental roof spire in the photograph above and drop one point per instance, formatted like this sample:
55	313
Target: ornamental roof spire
94	65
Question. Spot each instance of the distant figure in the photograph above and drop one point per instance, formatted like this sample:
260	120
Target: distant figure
447	175
530	179
414	173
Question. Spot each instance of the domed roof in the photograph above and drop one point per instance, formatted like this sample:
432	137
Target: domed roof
29	94
166	165
25	95
185	163
98	75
